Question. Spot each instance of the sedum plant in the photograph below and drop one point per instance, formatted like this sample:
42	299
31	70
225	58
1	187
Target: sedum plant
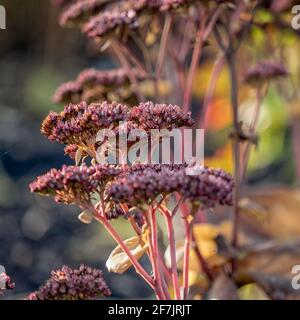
159	46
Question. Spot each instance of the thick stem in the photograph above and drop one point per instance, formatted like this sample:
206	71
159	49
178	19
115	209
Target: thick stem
163	46
154	242
187	98
165	286
231	59
252	130
171	237
186	258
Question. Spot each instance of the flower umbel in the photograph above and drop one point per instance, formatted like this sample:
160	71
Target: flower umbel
74	184
160	116
266	70
79	124
142	185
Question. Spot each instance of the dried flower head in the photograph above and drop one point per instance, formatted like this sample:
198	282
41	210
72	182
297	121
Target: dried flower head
160	116
81	11
94	85
79	124
68	92
265	71
74	184
141	185
208	187
111	22
108	78
84	283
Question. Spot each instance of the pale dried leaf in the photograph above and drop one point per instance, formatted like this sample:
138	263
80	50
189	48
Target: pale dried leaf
118	261
86	217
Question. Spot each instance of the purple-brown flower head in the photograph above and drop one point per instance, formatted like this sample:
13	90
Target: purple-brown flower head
79	124
265	71
81	11
94	85
160	116
74	184
68	92
141	185
208	187
84	283
107	78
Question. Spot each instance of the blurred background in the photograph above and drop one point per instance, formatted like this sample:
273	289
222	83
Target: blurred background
36	234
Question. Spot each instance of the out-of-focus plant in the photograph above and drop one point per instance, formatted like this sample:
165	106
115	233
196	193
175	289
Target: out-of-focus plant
160	46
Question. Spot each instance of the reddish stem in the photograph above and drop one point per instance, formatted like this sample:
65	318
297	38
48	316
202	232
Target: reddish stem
155	253
163	46
186	258
138	267
171	237
187	97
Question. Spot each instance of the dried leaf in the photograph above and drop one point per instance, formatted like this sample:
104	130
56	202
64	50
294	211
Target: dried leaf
118	261
78	156
86	217
273	212
273	259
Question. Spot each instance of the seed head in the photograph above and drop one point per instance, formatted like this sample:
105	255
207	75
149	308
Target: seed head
74	184
68	92
160	116
79	124
84	283
141	185
265	71
81	11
